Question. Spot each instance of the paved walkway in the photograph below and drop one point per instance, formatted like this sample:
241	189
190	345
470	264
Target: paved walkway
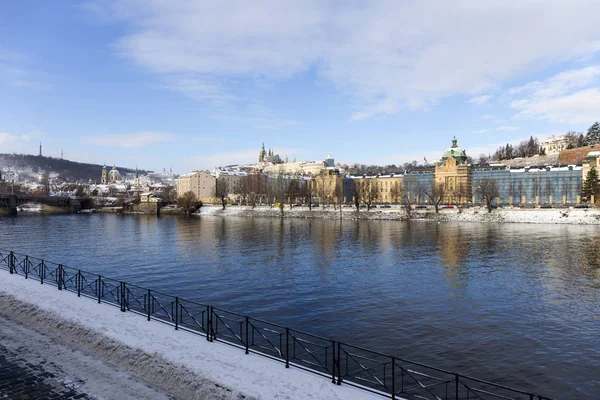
36	366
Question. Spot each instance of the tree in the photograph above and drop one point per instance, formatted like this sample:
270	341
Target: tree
242	188
79	192
396	192
370	192
591	186
548	189
309	192
356	188
293	190
222	191
593	134
519	190
435	192
169	194
412	191
483	159
188	201
488	190
281	189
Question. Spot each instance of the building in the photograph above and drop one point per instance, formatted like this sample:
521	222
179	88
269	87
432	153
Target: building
388	186
555	144
452	173
104	177
114	175
230	178
201	183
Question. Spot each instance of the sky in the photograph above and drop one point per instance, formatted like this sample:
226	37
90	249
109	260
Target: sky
193	84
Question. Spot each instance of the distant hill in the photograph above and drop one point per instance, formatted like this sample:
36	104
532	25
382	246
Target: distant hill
67	171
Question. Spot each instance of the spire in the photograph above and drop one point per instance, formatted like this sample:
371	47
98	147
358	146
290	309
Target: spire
40	149
137	173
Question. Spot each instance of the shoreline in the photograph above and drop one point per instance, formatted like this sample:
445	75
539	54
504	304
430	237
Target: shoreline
570	216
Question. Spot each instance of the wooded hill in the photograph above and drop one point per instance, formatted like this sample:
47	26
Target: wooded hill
68	171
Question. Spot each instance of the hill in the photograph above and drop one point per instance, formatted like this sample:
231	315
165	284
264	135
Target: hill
29	167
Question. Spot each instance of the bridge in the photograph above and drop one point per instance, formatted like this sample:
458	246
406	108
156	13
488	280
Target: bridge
12	201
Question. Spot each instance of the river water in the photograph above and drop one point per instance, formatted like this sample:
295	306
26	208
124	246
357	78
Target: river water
517	304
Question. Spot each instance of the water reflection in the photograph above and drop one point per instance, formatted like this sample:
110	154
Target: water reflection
498	301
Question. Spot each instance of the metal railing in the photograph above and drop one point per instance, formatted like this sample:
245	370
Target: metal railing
369	370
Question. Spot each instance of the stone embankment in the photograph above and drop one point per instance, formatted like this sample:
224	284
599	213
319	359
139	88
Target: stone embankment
571	216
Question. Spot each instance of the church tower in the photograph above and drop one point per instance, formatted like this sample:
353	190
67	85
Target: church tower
262	154
136	182
104	179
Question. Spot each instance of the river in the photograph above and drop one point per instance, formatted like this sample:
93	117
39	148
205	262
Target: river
513	303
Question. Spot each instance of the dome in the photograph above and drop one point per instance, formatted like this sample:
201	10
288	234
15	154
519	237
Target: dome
460	155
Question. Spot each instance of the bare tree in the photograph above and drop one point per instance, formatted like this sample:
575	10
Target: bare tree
566	189
293	190
169	194
435	192
370	192
548	189
488	190
188	201
396	192
309	192
222	191
357	193
281	189
519	190
412	191
242	188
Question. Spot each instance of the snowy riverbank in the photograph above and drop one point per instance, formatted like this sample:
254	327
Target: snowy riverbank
573	216
179	362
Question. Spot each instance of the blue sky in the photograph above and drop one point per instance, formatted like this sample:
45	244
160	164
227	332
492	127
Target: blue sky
194	84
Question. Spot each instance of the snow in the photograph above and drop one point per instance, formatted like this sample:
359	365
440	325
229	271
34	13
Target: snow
181	362
570	216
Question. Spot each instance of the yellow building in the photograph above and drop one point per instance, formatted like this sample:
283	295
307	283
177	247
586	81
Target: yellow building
453	174
201	183
389	187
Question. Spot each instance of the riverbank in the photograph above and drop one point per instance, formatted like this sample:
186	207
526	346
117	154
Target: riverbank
572	216
180	363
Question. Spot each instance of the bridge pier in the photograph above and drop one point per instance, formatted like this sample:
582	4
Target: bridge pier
12	204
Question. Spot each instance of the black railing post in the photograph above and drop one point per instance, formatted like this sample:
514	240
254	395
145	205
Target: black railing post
287	347
79	283
333	361
99	288
42	272
59	276
213	334
339	364
208	323
456	383
247	335
393	378
26	266
122	290
11	262
149	307
176	313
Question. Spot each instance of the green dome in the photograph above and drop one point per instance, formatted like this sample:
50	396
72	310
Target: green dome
460	155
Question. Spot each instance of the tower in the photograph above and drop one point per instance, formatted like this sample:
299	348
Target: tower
136	182
262	154
40	149
104	179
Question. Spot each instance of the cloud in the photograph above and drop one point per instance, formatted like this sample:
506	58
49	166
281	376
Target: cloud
568	97
482	131
381	53
129	140
480	100
488	117
6	139
507	128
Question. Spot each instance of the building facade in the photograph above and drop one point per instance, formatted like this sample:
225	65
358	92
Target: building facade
201	183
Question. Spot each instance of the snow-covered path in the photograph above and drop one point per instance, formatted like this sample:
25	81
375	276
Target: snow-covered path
43	365
183	364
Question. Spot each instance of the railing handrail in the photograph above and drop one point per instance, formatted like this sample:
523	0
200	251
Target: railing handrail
120	296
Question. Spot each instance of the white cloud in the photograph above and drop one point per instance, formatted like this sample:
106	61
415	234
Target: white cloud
482	131
6	139
480	100
129	140
569	97
387	55
507	128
